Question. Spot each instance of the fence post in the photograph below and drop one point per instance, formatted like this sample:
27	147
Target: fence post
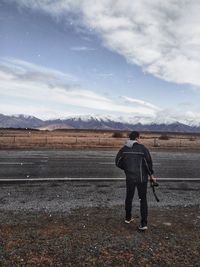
155	142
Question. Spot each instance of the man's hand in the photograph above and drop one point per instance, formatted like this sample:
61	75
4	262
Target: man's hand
153	181
152	178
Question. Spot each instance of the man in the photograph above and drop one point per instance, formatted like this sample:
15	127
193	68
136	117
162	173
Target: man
135	159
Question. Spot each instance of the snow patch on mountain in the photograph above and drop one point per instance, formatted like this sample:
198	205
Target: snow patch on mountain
162	121
162	117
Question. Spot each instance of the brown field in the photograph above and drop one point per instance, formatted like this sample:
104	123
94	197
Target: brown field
66	139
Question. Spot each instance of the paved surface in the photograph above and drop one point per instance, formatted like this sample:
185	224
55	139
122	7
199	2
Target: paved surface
58	164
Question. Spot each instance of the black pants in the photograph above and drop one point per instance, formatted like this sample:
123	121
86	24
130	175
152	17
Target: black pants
142	193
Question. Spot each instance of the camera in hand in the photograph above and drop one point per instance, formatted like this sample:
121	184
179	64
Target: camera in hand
153	183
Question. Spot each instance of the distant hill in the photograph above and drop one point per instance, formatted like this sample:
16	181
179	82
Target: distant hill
19	121
91	122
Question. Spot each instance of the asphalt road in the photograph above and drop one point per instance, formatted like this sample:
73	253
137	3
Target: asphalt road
85	164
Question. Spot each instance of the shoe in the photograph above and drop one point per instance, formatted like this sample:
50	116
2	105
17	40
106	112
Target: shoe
142	228
129	221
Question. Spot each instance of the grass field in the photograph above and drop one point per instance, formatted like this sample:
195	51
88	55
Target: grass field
66	139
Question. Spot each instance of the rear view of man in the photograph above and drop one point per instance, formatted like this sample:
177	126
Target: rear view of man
135	159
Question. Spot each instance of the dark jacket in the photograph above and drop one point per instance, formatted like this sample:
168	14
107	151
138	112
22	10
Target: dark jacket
135	160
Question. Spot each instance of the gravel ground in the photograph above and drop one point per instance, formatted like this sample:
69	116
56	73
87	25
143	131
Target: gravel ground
65	196
81	224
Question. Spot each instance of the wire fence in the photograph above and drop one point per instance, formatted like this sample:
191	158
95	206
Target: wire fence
61	141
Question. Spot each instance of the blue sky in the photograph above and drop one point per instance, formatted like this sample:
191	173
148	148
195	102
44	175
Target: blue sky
137	61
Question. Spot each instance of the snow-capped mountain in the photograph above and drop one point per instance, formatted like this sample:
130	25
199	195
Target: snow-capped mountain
19	121
100	122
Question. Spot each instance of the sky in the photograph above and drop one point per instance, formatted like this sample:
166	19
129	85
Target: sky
134	60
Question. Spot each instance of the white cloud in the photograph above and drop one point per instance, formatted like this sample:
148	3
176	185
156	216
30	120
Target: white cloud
163	37
185	104
25	82
82	48
27	86
25	71
104	75
129	100
27	109
171	116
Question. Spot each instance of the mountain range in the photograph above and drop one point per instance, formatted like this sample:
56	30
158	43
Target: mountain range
93	122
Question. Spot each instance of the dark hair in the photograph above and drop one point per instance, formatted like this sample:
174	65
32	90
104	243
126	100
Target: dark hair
133	135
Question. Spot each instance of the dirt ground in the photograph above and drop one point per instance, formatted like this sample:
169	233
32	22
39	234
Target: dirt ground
82	224
98	236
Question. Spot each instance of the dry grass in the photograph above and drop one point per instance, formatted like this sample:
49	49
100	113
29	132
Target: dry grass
60	139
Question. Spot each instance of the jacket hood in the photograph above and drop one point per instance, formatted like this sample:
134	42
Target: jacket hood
130	143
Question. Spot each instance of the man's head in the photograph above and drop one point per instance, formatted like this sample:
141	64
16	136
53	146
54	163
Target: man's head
134	135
